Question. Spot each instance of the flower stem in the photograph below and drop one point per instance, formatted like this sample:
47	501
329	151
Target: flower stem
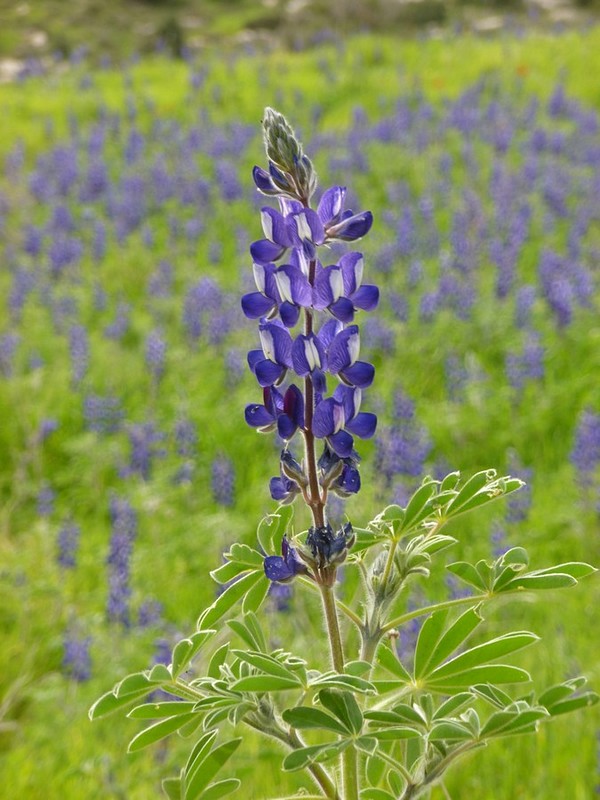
333	627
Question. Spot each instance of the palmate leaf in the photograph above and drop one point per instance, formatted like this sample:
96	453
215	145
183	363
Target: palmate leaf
266	663
202	768
303	717
187	649
272	528
232	595
436	641
344	706
303	756
159	731
265	683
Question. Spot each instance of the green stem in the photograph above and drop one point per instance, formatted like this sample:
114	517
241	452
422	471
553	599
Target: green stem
352	615
419	612
333	627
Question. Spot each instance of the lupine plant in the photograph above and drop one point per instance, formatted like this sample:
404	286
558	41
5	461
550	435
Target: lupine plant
403	689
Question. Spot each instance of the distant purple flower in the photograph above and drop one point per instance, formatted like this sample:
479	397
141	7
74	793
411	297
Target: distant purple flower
585	454
46	428
155	354
45	500
527	365
77	663
186	438
102	413
68	543
8	347
498	540
79	350
124	531
120	325
143	441
150	614
223	480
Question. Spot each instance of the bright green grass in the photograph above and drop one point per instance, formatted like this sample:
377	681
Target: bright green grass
51	751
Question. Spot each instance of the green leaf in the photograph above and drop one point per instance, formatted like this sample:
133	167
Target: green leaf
388	660
172	788
574	704
264	683
367	744
160	673
338	681
452	704
187	649
376	794
488	673
229	598
272	527
488	651
512	721
533	581
450	482
449	729
265	663
199	750
303	717
206	766
298	759
492	694
158	731
470	488
391	734
357	668
133	683
417	508
169	708
217	660
345	708
365	539
429	637
455	635
220	789
516	556
109	702
467	573
374	769
255	597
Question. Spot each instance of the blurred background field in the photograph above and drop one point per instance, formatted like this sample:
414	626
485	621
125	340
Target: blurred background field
126	211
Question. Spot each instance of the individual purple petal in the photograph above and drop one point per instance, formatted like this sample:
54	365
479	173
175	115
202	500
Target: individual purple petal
352	266
286	427
306	227
263	181
276	343
269	373
352	228
344	349
275	227
325	418
263	251
360	374
256	305
329	287
343	309
341	443
293	404
264	277
366	297
349	480
349	398
280	489
257	416
289	314
331	205
293	286
254	356
363	425
328	331
308	354
277	570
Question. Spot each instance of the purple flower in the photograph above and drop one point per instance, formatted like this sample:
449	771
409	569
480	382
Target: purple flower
68	544
342	360
285	567
284	412
337	417
585	455
339	224
329	548
124	531
339	289
155	354
77	663
271	363
223	480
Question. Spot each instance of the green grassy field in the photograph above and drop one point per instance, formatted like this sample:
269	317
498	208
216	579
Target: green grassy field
48	748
